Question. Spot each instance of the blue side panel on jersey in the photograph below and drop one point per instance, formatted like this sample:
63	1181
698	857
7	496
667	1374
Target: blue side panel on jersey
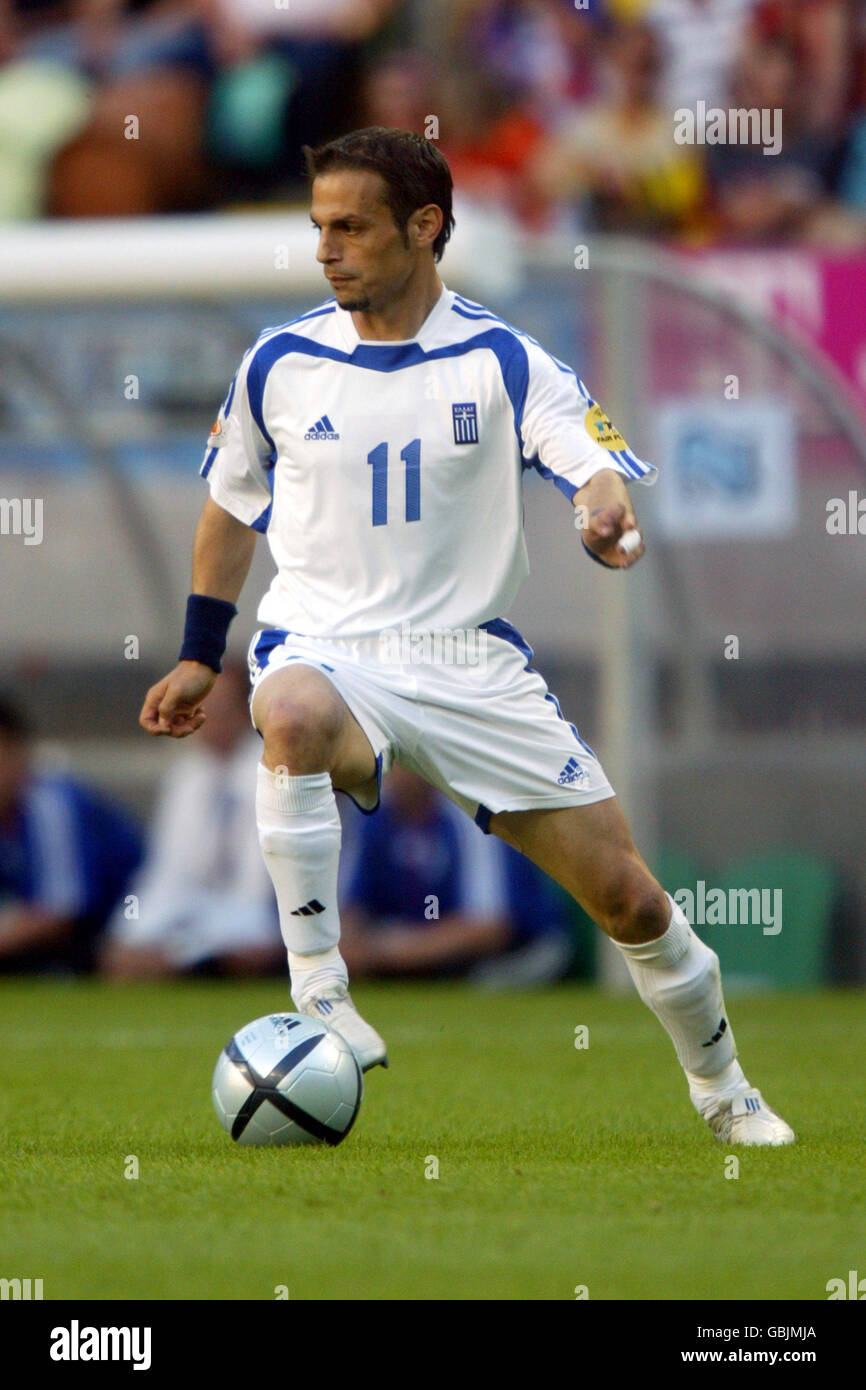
263	521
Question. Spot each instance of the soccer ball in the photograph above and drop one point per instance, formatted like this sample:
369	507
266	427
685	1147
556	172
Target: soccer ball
287	1079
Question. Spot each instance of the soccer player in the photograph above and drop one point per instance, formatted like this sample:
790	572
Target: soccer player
379	441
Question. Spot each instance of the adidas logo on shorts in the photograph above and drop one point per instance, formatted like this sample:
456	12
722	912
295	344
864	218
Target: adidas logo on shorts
572	772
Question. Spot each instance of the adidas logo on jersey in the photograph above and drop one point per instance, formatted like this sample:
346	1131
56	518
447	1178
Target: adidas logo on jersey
322	429
572	772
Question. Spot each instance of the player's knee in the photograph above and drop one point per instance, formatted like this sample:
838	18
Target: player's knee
636	909
300	733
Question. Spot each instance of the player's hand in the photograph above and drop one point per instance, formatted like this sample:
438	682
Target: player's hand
607	517
608	527
173	705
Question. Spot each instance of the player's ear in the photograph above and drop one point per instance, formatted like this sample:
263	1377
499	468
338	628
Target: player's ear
425	225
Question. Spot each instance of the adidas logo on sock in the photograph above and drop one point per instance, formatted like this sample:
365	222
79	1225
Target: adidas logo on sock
309	909
322	429
572	772
723	1028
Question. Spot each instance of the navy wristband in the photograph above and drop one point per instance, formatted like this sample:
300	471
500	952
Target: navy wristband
206	630
592	555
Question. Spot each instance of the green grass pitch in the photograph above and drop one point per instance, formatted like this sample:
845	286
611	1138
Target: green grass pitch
558	1167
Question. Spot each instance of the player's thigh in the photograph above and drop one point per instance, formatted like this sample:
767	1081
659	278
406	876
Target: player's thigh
590	852
307	726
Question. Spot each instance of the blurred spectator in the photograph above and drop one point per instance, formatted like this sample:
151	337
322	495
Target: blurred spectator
618	156
852	181
821	35
699	40
66	857
204	898
785	196
43	103
154	106
490	143
398	92
539	53
127	107
286	76
138	147
426	893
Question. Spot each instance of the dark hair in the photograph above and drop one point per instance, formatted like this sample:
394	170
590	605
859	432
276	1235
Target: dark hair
14	724
413	169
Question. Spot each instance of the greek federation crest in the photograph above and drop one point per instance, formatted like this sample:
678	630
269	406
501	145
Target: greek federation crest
465	417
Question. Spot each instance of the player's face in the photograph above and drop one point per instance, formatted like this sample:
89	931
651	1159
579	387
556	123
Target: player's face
367	258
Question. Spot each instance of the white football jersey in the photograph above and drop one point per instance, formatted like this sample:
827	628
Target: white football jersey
388	476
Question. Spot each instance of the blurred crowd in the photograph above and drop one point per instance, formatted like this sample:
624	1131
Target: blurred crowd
424	893
562	111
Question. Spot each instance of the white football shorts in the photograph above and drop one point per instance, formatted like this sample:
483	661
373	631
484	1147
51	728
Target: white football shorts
463	708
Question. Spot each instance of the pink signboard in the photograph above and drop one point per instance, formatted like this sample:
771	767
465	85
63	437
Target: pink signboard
820	299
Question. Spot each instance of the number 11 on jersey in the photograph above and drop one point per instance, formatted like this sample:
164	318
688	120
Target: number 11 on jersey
378	461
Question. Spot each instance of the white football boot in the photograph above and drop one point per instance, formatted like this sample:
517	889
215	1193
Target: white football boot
337	1010
746	1118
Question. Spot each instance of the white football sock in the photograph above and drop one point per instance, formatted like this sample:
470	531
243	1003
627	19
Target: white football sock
678	977
300	834
312	975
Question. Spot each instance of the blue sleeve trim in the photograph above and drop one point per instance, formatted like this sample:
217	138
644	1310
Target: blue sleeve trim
569	489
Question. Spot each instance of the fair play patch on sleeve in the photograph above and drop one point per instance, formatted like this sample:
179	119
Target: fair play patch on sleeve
599	428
